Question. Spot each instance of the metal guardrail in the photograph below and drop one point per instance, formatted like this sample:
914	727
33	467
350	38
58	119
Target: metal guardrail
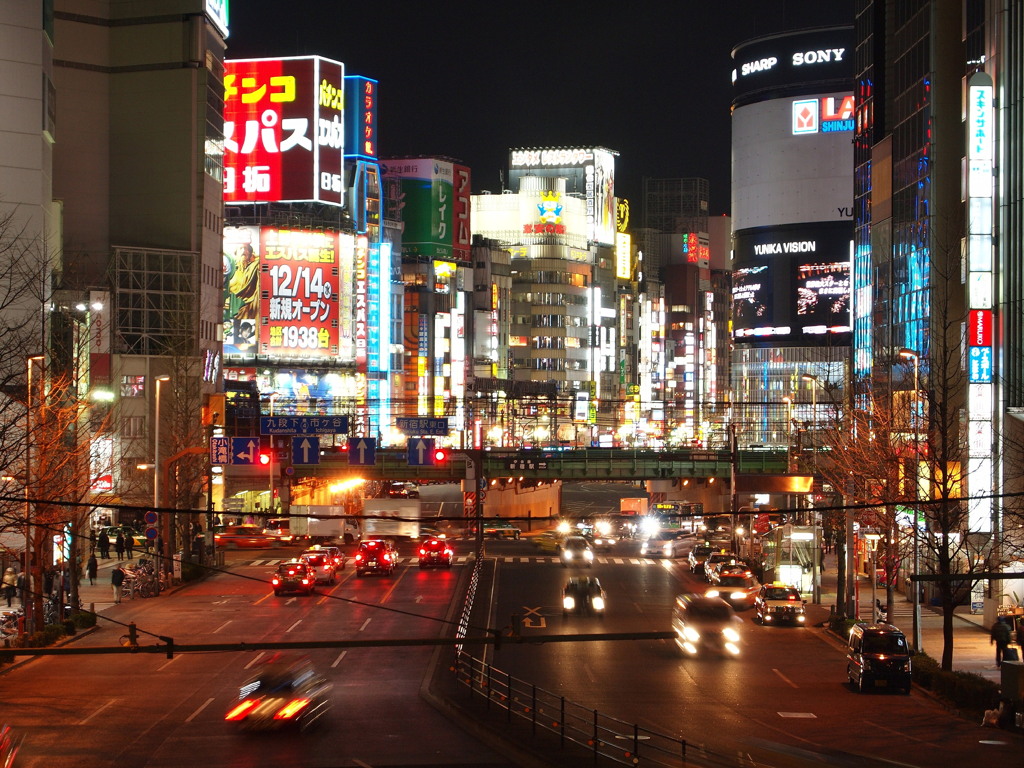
605	737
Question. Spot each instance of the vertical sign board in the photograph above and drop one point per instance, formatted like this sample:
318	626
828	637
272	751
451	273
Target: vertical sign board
284	135
426	204
980	138
361	116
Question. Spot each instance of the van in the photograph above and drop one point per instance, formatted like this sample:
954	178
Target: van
878	655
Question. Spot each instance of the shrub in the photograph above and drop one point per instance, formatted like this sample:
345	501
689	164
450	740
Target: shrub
192	572
69	626
924	668
84	620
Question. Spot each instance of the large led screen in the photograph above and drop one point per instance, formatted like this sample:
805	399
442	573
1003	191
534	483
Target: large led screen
792	284
421	192
284	135
282	292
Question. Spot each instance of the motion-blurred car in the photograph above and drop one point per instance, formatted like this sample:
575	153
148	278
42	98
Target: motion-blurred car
698	555
548	541
705	625
583	594
738	588
321	564
716	559
376	556
576	550
727	569
281	528
436	551
285	692
293	576
669	543
778	604
243	536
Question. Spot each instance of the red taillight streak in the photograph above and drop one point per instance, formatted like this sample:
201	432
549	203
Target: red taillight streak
275	581
291	709
243	709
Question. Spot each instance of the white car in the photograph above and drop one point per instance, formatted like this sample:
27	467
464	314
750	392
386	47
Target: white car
664	544
322	565
576	550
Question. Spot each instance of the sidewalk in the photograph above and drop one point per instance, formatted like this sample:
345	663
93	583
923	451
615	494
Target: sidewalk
100	596
972	651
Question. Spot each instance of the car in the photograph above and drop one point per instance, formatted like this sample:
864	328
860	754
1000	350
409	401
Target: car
738	588
778	603
322	565
602	543
583	594
548	541
293	576
716	559
285	692
244	536
576	550
667	543
281	528
435	551
878	654
376	556
698	555
727	569
704	625
333	553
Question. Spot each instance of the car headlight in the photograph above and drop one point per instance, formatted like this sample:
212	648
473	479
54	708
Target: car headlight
598	603
731	635
691	634
568	602
666	549
712	593
737	595
567	554
588	555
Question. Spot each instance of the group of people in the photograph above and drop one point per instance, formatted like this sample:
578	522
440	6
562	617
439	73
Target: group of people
123	545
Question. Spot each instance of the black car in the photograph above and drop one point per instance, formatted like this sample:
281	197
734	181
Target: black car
285	692
878	655
583	594
376	556
435	551
294	576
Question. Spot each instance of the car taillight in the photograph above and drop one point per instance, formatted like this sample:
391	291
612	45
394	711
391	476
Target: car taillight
305	581
423	551
243	709
359	557
275	581
291	709
387	557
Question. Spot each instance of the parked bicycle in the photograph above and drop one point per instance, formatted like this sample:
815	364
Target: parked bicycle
142	580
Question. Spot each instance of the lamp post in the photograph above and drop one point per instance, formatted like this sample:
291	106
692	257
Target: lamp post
872	539
29	581
916	597
165	527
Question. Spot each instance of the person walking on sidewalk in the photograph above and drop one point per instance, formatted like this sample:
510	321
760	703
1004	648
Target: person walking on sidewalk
129	546
1000	635
104	543
92	568
117	581
119	545
10	585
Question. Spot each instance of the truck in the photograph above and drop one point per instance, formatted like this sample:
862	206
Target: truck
321	523
391	518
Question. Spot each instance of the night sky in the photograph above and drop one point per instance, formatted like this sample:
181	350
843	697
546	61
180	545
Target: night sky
470	80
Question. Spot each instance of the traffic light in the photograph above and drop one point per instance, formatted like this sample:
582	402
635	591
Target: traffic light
264	458
440	456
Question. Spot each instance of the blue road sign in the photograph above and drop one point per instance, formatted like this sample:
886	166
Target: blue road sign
423	426
303	425
220	450
421	452
305	450
362	451
245	450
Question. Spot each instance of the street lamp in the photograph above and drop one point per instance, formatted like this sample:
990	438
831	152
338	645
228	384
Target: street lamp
916	598
157	469
29	581
872	539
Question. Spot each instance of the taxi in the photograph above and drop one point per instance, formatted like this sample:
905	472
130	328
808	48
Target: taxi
293	576
321	564
436	551
779	603
737	587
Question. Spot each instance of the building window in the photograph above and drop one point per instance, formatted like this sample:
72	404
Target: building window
133	386
133	427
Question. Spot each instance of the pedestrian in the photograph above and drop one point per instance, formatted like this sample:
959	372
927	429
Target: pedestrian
1020	632
22	588
48	579
104	542
91	569
10	585
119	545
129	546
117	581
1000	635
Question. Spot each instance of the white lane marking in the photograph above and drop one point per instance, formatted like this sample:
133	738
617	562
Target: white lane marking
788	681
804	715
255	661
202	706
293	626
168	663
218	629
96	712
337	661
364	625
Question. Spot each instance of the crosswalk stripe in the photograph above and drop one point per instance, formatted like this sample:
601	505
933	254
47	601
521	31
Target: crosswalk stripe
508	559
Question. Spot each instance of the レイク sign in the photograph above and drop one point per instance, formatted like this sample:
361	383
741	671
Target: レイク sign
284	136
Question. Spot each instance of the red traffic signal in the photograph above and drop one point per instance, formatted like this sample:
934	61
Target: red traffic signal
264	458
440	455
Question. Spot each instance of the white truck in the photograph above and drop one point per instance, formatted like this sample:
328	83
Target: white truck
323	523
392	518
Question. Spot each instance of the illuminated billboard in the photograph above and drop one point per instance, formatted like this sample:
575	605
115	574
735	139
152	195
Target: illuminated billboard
284	135
421	192
588	171
792	284
281	293
361	116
